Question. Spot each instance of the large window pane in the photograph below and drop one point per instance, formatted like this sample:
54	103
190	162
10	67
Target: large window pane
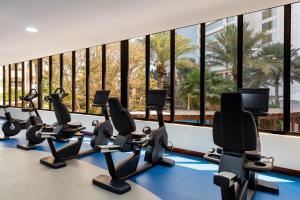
45	81
35	78
34	74
80	81
27	77
67	78
187	84
19	84
221	66
1	84
263	61
295	69
55	72
13	80
6	85
160	66
113	67
137	77
95	75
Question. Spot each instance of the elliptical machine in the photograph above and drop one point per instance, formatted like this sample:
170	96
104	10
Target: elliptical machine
13	126
38	125
128	140
66	129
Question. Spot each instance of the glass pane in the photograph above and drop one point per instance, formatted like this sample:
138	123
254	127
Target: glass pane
160	67
187	84
45	82
55	72
19	84
13	80
113	67
263	62
137	77
27	77
80	81
295	69
221	67
1	85
35	78
95	75
67	78
6	85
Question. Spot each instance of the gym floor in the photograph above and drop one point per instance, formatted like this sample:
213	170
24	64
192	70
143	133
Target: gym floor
191	178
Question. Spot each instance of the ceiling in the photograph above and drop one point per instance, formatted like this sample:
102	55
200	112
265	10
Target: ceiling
66	25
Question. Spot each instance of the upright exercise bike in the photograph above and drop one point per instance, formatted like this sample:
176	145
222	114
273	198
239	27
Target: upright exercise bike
13	126
38	125
235	131
155	142
66	129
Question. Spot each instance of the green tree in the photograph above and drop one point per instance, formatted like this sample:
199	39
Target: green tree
160	53
223	50
268	69
215	85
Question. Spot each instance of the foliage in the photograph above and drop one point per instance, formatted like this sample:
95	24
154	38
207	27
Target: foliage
223	50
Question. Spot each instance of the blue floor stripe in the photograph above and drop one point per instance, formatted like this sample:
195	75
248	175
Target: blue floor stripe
191	178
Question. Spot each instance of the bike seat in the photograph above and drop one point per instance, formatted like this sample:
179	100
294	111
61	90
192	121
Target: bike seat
28	109
4	106
74	124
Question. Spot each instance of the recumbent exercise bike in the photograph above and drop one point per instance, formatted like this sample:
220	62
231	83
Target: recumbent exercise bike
155	142
66	129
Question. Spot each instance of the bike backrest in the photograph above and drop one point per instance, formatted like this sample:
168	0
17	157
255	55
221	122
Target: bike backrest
233	128
121	118
61	111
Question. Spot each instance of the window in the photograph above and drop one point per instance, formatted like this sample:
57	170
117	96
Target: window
263	67
55	72
27	77
35	78
6	85
45	81
1	85
19	84
34	74
67	78
160	67
295	69
95	75
267	26
80	105
187	78
113	67
12	87
221	67
137	77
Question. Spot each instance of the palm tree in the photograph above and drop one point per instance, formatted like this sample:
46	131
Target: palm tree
267	69
215	85
160	52
223	50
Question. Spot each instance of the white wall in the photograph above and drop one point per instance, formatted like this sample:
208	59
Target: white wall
285	149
